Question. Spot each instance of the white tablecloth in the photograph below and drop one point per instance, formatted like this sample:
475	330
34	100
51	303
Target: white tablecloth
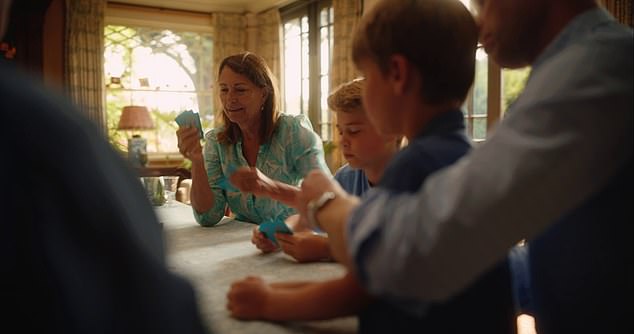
213	257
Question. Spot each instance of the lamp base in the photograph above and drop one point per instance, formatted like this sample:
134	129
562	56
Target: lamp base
137	151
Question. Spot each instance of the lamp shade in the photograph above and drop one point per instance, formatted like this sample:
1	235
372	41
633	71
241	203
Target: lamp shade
135	118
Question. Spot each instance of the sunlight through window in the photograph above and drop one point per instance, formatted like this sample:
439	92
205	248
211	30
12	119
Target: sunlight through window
164	70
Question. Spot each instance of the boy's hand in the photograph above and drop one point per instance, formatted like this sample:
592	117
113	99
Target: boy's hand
262	242
304	246
247	298
314	185
297	224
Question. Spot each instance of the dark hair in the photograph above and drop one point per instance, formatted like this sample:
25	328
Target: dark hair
254	68
438	36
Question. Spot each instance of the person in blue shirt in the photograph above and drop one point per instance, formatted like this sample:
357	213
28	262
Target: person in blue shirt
367	153
557	172
431	120
254	135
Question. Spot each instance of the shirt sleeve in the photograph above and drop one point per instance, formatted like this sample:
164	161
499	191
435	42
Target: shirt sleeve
216	179
567	135
340	177
308	147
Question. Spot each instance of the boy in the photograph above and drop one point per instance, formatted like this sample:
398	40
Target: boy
415	89
367	154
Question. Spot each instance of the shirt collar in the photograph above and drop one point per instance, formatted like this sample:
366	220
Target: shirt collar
448	121
578	27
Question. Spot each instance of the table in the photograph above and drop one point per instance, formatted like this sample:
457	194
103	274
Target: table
213	257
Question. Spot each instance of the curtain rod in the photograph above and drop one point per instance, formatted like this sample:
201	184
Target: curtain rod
157	9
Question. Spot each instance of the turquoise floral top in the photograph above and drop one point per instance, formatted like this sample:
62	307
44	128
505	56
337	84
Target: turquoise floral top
294	150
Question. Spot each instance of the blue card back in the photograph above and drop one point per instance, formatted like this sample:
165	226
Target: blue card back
269	228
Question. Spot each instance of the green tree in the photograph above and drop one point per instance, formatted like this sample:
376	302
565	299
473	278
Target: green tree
513	82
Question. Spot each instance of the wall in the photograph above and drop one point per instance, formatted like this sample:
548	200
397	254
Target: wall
367	4
36	29
53	45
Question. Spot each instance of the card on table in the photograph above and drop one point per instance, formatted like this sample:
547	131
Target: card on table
269	228
190	118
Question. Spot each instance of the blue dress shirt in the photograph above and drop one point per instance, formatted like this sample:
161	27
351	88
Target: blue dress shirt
565	148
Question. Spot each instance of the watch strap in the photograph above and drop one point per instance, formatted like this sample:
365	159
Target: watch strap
314	206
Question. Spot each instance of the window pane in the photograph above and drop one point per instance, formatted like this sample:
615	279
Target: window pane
323	17
163	70
479	128
475	107
513	82
324	46
326	115
305	56
305	93
306	70
325	55
481	83
305	23
292	66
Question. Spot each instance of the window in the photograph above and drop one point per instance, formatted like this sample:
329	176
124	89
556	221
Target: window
165	70
476	108
513	82
307	44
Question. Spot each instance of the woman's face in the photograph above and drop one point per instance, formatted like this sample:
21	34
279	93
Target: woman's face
242	100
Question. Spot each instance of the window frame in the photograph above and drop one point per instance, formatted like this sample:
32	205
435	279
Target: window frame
493	102
312	10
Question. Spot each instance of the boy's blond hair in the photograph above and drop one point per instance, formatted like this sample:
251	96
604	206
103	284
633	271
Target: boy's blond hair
439	37
347	97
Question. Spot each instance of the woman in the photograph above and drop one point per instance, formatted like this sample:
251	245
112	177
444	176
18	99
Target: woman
254	135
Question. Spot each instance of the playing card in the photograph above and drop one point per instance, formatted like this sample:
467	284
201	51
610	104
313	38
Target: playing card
184	119
190	118
269	228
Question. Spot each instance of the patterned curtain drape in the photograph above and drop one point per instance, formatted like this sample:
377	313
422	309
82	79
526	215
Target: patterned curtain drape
268	40
84	57
230	37
621	9
346	16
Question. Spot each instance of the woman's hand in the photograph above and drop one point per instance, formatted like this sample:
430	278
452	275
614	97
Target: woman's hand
262	242
247	299
251	180
304	246
189	143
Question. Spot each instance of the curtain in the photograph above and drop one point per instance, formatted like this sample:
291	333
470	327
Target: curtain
230	37
84	57
346	16
621	9
268	40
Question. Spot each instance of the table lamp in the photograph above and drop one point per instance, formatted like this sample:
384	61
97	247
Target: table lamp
136	118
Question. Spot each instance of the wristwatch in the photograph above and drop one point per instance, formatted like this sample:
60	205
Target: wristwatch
314	206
